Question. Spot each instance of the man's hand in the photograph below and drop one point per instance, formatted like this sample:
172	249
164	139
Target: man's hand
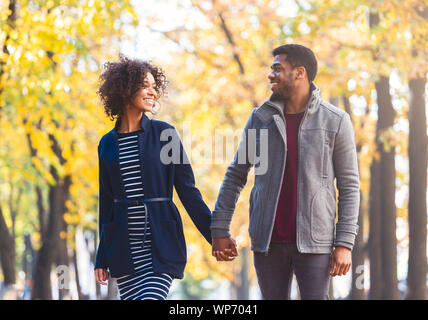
101	275
224	249
340	262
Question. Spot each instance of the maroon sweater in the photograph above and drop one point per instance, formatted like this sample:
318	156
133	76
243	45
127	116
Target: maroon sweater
284	229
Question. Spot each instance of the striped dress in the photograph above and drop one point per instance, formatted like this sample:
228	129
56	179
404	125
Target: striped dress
143	284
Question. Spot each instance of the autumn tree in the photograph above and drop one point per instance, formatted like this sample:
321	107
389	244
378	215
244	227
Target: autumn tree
49	82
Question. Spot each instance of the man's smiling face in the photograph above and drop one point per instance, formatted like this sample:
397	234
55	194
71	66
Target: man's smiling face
281	78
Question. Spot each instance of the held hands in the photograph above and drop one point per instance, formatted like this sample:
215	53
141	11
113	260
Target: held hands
340	261
224	249
101	275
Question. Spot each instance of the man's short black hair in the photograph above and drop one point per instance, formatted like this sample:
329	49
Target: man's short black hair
297	56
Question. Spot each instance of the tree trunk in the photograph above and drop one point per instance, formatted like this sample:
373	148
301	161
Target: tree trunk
386	179
28	263
358	253
62	254
375	232
7	253
417	268
386	115
417	265
39	193
242	288
41	213
76	274
58	194
45	256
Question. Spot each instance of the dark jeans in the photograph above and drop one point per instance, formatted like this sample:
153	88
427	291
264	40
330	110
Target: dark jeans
275	272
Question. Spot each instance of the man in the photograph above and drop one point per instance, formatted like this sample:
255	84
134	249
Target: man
292	223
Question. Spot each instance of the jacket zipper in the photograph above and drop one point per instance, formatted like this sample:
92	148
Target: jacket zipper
298	170
282	178
279	189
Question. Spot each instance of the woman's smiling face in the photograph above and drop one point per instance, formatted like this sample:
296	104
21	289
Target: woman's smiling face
146	96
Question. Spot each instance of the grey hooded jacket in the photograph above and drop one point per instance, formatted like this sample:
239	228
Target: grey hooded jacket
326	151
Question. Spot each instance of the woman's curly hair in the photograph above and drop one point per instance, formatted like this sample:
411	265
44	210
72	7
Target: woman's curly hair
121	80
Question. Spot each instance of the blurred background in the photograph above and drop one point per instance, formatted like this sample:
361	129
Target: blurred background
372	58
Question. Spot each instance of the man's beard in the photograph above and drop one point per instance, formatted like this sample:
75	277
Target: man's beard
281	95
277	96
284	92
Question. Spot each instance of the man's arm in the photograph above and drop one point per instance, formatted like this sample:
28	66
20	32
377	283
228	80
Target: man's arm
348	183
224	247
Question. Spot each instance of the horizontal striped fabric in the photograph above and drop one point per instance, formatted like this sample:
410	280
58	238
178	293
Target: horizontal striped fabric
144	284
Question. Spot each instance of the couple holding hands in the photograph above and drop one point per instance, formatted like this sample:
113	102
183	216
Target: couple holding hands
308	143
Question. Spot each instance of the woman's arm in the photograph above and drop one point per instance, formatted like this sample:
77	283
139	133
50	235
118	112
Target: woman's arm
105	210
184	182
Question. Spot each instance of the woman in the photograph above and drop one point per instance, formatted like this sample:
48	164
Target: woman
141	233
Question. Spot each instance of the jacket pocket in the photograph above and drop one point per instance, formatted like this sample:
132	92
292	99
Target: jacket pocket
171	244
322	218
325	158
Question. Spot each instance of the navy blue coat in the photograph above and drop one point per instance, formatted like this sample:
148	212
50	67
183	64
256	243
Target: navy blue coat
168	243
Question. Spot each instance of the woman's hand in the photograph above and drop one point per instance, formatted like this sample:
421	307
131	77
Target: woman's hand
224	249
101	275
